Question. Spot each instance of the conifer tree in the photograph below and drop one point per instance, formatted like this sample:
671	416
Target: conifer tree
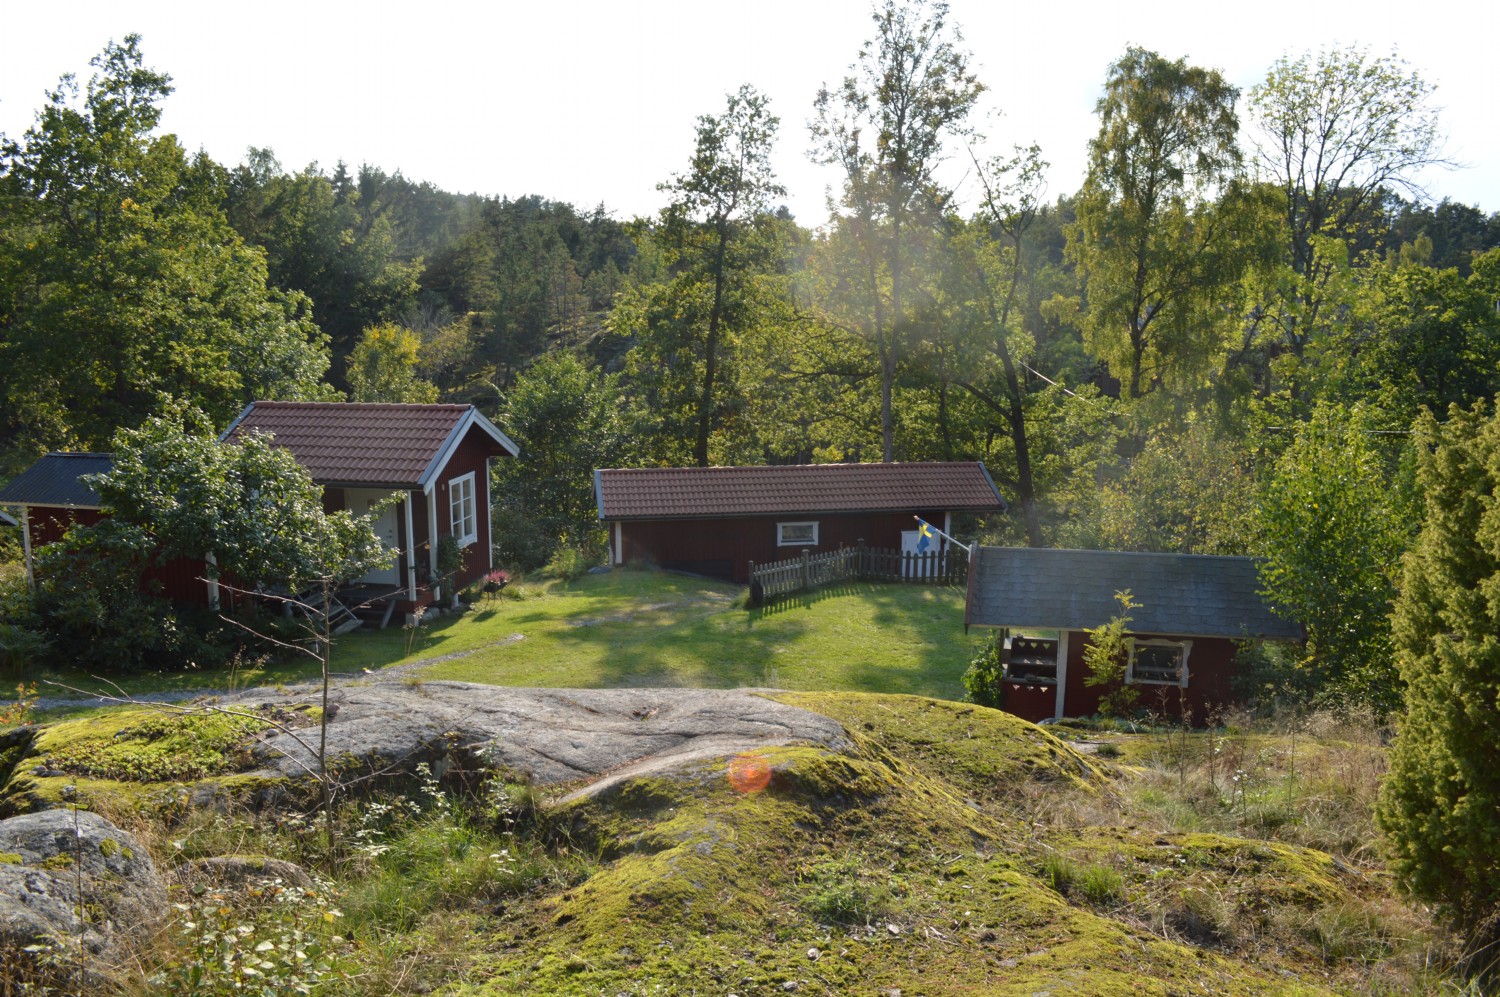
1440	806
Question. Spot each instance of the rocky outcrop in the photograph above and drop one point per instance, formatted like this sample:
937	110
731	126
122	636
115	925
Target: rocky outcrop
548	735
56	864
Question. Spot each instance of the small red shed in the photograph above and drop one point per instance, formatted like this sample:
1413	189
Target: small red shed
1193	610
715	520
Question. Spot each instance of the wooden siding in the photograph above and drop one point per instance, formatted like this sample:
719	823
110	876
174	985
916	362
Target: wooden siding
1209	688
472	454
724	548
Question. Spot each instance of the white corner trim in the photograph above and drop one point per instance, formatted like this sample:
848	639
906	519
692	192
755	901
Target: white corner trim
1062	675
411	548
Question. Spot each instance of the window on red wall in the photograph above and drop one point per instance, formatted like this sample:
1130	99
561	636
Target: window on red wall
461	509
1159	662
797	534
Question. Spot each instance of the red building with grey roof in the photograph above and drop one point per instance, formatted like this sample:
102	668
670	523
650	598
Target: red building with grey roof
716	520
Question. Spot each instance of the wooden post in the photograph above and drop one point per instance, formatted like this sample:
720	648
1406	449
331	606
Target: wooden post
806	570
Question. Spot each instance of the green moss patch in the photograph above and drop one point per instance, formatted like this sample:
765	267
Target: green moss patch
865	871
140	745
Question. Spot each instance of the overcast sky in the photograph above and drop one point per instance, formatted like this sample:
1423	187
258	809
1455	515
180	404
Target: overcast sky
595	102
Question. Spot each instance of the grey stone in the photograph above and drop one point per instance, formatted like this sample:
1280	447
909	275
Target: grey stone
44	860
233	870
549	735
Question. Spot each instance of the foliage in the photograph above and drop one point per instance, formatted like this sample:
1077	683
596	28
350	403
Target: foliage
1190	493
982	678
1333	530
1440	807
275	939
113	244
1107	657
383	367
568	421
884	126
1161	236
250	505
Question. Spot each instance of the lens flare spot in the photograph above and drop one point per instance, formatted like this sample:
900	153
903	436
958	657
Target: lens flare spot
749	773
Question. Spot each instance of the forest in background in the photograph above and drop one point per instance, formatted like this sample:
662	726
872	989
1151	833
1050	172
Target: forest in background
1218	344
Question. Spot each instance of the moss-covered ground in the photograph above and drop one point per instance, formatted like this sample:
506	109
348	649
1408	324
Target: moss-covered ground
951	850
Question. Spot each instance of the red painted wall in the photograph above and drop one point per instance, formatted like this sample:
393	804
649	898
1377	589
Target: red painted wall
472	454
724	548
1210	671
178	579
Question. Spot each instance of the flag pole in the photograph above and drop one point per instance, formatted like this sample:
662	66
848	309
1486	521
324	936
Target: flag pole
968	548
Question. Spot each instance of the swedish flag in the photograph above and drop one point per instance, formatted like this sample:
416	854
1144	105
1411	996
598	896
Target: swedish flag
924	535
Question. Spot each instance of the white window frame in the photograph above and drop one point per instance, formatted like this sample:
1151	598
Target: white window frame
1185	646
463	504
781	538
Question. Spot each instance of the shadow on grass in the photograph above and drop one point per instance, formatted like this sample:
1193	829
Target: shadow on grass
805	600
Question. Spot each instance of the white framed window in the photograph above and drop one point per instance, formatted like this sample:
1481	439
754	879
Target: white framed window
462	512
1159	662
796	534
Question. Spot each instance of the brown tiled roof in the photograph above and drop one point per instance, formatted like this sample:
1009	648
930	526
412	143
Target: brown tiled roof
699	492
351	443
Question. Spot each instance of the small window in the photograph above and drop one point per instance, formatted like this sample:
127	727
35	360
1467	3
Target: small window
796	534
1159	662
461	510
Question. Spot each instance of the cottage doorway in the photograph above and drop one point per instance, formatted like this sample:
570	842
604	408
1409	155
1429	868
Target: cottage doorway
361	503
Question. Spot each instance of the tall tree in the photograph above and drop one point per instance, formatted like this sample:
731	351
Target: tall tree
1155	241
885	126
1440	805
1336	130
729	183
120	278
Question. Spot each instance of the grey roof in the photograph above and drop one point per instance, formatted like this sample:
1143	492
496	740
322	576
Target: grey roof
1188	595
53	481
7	519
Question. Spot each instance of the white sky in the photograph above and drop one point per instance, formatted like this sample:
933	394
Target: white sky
595	101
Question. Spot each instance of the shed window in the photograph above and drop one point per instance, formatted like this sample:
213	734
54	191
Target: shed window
1159	662
796	534
461	509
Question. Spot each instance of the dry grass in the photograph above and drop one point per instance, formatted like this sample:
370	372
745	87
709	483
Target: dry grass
1252	838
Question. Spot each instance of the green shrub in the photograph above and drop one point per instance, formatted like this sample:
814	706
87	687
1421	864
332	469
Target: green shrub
837	893
983	677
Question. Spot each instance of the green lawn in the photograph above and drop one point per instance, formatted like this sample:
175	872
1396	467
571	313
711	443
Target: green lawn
646	628
640	628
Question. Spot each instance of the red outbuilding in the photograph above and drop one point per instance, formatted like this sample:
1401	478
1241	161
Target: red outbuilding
716	520
1193	611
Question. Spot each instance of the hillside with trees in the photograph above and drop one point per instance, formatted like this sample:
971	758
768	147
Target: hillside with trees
1248	331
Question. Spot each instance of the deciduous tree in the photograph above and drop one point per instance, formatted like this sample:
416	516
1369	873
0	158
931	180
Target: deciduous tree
884	126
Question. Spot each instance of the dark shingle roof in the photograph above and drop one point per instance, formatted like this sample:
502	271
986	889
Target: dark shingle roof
53	481
698	492
349	443
1191	595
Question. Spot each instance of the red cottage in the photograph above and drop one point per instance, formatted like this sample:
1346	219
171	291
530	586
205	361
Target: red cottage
50	499
438	455
1193	609
716	520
